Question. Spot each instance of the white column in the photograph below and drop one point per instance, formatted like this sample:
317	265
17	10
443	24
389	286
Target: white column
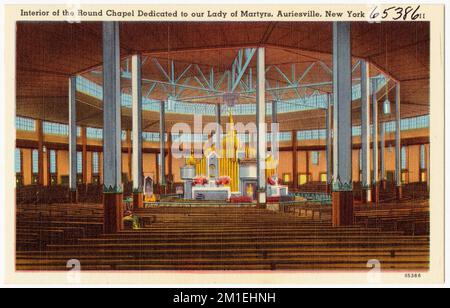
136	89
374	132
274	111
112	164
342	96
398	167
329	138
365	126
382	151
219	128
261	123
274	132
72	133
162	143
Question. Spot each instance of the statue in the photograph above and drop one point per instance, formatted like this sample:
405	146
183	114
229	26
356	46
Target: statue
148	190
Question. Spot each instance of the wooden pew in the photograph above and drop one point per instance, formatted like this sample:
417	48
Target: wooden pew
232	238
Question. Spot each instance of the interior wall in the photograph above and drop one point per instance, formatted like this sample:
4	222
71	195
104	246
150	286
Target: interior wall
62	161
26	166
413	162
321	167
89	167
45	168
285	165
177	163
356	167
149	165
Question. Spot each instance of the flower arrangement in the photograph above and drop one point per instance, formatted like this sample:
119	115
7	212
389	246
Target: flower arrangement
200	180
223	180
274	180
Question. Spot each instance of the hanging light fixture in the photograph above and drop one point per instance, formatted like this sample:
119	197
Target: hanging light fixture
387	103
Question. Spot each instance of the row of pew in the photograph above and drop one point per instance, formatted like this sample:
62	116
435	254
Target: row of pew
223	238
39	225
412	218
92	193
57	194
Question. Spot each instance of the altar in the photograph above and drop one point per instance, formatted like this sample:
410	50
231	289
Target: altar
228	171
211	193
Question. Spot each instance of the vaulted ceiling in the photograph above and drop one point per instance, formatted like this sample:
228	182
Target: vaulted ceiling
48	53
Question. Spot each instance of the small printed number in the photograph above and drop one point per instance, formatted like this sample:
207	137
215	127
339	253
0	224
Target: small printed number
413	276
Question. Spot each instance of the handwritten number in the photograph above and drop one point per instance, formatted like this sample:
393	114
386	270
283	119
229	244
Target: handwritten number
415	15
399	13
385	12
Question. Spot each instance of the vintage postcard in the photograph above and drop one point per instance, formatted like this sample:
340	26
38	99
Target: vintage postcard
224	144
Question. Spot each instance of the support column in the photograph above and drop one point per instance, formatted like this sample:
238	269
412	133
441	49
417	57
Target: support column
84	154
40	132
274	130
398	145
129	154
274	111
112	141
47	167
307	165
365	132
162	146
157	169
73	140
219	128
342	196
375	183
169	160
294	160
382	155
261	125
274	133
136	92
329	145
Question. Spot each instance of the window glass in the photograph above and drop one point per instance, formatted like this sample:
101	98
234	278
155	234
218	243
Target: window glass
315	157
52	161
25	124
55	129
35	161
422	157
18	161
95	166
403	154
79	163
94	133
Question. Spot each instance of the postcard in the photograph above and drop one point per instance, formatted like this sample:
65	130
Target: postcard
224	144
